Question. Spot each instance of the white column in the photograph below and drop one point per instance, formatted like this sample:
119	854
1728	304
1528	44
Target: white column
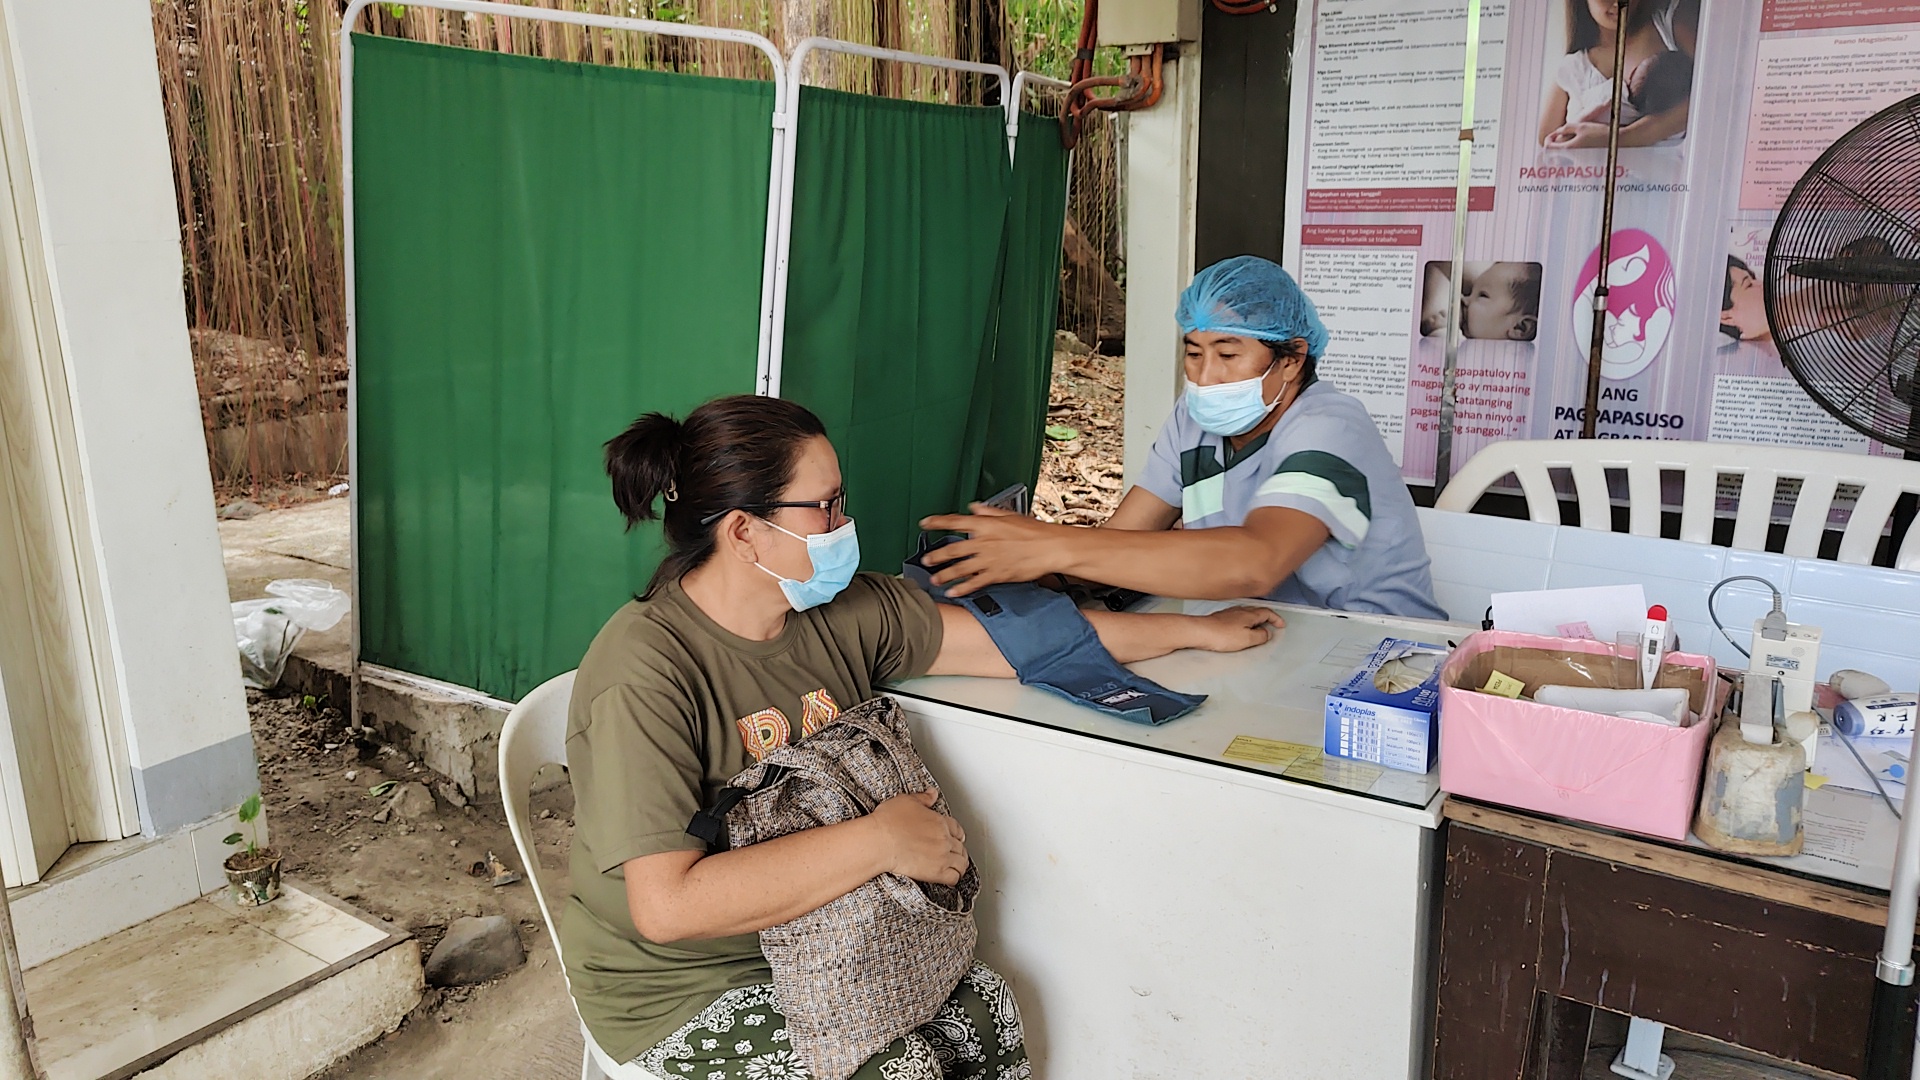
89	88
1163	153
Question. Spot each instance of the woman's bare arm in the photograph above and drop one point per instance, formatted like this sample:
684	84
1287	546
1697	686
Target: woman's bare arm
687	895
1553	114
967	648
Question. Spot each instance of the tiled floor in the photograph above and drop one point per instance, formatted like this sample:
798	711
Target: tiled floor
100	1008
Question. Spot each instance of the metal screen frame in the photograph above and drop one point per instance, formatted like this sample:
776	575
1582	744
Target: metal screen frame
782	113
781	184
1022	80
788	77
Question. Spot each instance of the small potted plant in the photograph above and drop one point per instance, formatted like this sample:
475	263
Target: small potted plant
254	871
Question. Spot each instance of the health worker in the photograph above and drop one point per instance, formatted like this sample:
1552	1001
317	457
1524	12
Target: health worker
1265	482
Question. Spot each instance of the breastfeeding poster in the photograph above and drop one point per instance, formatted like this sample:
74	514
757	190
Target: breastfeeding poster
1726	104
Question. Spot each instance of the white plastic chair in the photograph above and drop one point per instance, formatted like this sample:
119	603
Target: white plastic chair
1820	472
534	736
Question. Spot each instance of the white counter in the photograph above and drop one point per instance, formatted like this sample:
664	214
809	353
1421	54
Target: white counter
1166	911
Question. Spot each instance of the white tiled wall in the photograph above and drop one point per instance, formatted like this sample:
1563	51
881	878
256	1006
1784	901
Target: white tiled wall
1869	616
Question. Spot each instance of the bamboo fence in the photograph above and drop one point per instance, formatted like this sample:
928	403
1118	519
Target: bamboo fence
251	93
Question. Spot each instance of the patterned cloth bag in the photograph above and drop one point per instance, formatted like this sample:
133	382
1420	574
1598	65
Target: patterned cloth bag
875	964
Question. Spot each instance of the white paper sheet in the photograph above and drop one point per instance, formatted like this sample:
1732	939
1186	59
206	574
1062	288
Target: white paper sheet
1846	831
1605	610
1841	769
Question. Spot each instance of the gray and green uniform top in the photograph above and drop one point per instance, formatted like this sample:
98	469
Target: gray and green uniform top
1326	458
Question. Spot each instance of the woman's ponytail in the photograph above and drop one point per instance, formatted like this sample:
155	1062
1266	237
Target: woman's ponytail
643	462
733	453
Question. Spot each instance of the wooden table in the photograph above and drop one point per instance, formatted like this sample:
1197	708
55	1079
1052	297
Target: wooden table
1542	922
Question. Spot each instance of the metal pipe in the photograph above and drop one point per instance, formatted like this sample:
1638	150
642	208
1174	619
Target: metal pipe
1443	439
1890	1027
1597	340
18	1060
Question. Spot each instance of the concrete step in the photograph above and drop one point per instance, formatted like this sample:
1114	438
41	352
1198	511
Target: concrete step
214	989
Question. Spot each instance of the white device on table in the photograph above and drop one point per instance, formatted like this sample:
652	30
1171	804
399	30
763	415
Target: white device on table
1780	677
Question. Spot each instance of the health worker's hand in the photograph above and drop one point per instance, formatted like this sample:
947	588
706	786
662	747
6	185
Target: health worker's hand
1001	546
1236	629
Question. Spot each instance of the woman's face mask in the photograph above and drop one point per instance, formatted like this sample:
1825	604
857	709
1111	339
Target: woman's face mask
836	558
1231	408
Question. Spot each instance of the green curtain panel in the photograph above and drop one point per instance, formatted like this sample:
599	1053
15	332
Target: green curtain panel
892	290
1016	388
544	251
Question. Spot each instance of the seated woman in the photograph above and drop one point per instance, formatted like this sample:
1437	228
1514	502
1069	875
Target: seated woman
755	631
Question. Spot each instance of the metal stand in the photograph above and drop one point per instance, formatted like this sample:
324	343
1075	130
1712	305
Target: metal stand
1890	1030
1596	341
1443	442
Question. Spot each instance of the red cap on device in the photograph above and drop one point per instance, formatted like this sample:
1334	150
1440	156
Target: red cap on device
1657	611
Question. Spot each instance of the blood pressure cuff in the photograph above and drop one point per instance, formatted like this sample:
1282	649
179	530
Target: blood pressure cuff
916	570
1052	645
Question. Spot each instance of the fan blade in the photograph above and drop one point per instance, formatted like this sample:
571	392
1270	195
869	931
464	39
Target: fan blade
1899	222
1868	270
1837	324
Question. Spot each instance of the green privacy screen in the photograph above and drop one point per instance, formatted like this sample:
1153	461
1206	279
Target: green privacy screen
543	251
892	280
1022	367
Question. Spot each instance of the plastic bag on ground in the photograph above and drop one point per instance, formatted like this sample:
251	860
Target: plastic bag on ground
268	629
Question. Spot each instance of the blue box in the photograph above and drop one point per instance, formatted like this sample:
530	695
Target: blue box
1367	722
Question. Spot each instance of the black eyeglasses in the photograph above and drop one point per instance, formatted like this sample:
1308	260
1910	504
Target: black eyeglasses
835	507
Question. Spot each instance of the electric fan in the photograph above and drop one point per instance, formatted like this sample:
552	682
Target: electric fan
1843	298
1843	278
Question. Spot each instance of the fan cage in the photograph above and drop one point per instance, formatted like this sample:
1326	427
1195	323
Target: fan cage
1854	345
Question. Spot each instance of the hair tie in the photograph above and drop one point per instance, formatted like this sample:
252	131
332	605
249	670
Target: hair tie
672	494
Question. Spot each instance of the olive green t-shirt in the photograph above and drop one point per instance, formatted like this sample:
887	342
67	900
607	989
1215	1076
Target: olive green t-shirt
665	706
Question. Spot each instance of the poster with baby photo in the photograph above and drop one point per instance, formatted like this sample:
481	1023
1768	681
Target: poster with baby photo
1726	104
1753	394
1743	306
1497	301
1576	99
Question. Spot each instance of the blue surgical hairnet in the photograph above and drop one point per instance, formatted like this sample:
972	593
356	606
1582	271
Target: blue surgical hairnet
1251	297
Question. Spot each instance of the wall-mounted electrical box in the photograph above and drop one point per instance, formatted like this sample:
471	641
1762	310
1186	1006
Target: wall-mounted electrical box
1148	22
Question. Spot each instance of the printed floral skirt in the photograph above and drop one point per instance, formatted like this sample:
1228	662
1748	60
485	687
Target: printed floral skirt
742	1036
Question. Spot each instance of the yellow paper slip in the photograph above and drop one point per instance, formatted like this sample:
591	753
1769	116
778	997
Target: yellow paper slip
1335	772
1503	685
1266	751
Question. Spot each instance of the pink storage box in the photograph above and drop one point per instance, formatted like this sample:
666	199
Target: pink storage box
1623	774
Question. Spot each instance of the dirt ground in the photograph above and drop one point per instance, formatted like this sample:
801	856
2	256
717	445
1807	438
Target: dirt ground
242	376
277	495
1080	473
245	381
315	780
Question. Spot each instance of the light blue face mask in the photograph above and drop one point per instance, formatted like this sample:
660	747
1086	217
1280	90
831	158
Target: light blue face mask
836	558
1232	408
